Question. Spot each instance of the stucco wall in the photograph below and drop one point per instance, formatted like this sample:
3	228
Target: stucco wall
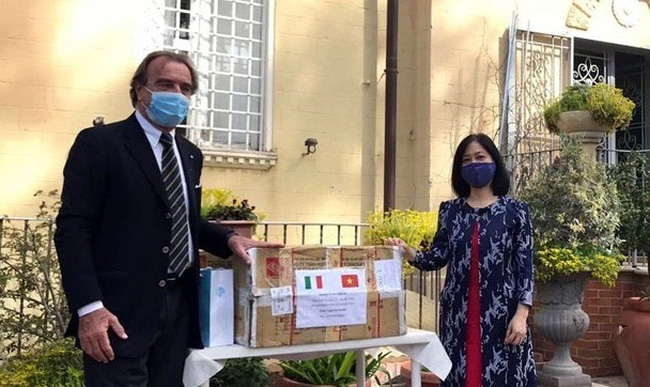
63	62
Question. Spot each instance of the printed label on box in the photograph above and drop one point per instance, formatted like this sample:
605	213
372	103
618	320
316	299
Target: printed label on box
388	275
281	301
330	297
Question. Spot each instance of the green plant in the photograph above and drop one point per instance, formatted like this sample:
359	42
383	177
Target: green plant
575	213
605	102
33	307
242	372
336	370
55	364
222	204
632	178
416	228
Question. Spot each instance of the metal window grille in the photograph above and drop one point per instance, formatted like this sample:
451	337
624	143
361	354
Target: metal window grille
225	39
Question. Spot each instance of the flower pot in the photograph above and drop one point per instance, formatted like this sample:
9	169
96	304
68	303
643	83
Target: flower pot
632	344
285	382
561	320
429	379
581	124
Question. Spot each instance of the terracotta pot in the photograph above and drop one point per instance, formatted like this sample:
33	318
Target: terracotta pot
632	344
429	379
284	382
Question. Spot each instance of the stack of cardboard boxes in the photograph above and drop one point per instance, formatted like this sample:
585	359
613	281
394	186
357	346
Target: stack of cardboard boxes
314	294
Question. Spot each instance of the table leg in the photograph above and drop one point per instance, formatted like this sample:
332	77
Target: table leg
415	374
361	367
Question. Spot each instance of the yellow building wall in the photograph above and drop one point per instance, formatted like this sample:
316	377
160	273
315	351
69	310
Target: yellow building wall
63	62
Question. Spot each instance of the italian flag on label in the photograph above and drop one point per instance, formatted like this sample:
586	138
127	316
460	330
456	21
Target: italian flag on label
330	280
314	282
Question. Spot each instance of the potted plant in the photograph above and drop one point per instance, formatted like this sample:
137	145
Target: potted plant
416	228
223	207
603	105
633	184
248	372
632	342
333	370
575	213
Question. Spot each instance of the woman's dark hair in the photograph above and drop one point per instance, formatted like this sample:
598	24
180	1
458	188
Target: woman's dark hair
501	181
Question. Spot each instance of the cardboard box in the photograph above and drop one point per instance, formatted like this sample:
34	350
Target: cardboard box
301	295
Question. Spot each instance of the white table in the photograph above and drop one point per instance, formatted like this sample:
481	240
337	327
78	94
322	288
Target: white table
423	347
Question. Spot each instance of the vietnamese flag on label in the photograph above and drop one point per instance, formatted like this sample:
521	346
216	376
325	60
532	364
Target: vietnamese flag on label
313	281
350	280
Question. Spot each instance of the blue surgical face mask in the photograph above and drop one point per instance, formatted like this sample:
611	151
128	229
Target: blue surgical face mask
478	175
166	108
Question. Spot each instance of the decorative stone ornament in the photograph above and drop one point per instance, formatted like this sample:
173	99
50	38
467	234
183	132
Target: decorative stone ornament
626	12
580	14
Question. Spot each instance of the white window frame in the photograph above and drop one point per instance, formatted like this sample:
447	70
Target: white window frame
225	155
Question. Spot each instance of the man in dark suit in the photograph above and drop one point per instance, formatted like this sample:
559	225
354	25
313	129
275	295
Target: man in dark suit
129	231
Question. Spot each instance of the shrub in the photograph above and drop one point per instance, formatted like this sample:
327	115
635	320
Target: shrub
55	364
575	213
33	307
416	228
243	372
632	178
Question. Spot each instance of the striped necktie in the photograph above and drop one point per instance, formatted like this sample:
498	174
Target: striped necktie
179	257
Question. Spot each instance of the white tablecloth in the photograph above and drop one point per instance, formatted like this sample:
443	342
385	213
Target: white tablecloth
422	347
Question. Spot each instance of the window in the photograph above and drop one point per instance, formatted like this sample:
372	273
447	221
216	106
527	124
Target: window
227	40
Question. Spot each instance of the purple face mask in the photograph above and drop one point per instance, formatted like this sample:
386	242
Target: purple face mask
478	175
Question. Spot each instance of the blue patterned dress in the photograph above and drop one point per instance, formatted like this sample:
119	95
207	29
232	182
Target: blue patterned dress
505	277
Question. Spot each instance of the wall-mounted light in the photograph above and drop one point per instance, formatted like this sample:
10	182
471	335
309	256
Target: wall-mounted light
310	143
98	121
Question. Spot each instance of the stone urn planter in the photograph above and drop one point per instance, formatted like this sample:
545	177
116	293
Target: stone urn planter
632	344
429	379
561	320
581	124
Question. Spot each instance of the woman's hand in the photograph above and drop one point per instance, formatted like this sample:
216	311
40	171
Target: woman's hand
408	252
517	328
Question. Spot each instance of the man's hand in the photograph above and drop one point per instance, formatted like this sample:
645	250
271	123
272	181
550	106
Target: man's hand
239	244
93	334
516	333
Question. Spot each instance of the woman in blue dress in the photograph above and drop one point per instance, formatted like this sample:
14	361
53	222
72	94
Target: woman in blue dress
485	239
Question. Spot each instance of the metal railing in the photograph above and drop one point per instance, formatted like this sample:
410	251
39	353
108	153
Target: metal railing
426	284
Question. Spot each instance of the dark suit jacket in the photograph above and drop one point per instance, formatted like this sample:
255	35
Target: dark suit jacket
114	223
